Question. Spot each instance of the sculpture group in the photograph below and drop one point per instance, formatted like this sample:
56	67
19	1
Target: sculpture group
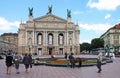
49	11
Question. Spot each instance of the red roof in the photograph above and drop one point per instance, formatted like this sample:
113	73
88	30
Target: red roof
117	26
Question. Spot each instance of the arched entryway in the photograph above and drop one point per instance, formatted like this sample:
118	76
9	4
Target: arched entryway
60	51
50	51
39	51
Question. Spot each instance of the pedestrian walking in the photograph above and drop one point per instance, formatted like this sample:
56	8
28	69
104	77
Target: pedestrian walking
30	58
16	62
26	62
99	61
67	59
72	60
9	63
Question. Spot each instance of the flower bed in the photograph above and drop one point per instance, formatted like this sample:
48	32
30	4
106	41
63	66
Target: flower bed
58	61
63	61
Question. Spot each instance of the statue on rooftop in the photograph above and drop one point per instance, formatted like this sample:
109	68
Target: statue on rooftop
30	11
68	13
50	9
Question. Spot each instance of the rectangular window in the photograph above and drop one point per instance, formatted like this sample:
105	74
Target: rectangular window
116	39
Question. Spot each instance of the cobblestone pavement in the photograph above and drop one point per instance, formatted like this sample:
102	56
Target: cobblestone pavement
110	70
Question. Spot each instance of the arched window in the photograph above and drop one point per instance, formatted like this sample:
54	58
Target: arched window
39	38
61	39
50	38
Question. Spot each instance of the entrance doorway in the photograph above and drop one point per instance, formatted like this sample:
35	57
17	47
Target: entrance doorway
60	50
50	51
39	51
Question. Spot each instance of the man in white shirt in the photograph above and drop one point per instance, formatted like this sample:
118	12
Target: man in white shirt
99	61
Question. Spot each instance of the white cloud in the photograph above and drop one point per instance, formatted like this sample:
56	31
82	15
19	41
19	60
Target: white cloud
98	28
6	25
104	4
77	12
107	16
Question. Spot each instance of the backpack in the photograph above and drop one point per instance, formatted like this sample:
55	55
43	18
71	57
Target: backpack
16	60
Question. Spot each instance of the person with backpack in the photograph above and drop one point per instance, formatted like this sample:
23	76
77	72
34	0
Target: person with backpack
17	62
67	59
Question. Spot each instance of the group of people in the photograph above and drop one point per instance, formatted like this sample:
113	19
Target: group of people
27	61
70	60
14	60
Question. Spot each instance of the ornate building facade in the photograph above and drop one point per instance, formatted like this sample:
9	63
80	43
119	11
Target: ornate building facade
48	34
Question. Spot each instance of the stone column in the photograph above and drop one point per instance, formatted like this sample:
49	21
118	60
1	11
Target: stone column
44	42
73	38
56	42
35	39
56	38
26	39
66	41
77	43
73	41
77	38
46	39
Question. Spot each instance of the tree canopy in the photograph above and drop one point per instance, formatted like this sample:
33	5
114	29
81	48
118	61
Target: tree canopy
85	46
97	43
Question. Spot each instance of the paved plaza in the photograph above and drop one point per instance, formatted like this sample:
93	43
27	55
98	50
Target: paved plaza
109	70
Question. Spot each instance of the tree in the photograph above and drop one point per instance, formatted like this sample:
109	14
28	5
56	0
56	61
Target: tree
85	46
97	43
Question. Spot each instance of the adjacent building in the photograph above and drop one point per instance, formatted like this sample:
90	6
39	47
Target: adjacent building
48	34
9	41
112	38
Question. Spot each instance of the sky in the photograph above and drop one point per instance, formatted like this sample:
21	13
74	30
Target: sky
94	17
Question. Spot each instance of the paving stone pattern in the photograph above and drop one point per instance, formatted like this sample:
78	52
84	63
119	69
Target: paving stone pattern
110	70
